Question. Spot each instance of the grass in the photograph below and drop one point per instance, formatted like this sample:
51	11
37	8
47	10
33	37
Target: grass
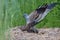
11	14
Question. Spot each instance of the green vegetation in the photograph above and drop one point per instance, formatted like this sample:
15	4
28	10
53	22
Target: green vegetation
11	14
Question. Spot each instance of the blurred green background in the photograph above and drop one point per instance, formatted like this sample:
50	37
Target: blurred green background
11	14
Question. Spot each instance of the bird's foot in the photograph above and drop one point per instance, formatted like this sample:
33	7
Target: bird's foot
32	30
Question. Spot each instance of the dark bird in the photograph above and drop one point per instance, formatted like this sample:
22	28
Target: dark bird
36	16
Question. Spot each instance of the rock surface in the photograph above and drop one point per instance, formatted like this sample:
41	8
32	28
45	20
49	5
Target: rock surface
44	34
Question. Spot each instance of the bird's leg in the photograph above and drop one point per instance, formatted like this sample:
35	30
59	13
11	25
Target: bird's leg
32	30
30	27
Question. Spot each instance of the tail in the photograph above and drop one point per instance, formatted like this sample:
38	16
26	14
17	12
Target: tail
52	5
48	9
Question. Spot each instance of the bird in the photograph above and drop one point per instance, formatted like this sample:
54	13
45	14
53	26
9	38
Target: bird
37	16
39	13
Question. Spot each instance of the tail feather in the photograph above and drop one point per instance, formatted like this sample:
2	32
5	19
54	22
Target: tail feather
50	6
48	9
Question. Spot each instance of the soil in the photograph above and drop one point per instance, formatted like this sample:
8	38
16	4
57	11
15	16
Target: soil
44	34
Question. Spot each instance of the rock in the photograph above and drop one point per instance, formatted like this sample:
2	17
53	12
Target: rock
44	34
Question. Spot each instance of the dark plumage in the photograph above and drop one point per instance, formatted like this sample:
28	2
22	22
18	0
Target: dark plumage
36	16
39	13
